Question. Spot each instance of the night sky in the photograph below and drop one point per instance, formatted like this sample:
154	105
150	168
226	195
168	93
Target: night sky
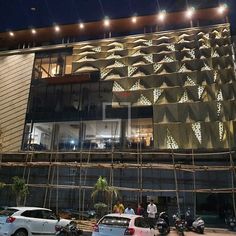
23	14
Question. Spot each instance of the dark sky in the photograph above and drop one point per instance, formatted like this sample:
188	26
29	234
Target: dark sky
18	14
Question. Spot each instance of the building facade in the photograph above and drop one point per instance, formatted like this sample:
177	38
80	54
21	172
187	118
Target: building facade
154	113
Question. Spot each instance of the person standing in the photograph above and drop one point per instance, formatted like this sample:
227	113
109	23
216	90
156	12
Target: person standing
152	211
118	208
140	210
129	210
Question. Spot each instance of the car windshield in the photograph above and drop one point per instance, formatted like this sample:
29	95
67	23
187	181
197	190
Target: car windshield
7	212
115	221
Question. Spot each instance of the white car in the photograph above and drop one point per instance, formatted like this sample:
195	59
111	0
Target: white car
29	221
123	224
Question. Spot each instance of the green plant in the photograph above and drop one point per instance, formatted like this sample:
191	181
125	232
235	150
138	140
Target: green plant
102	190
2	185
104	194
101	209
19	188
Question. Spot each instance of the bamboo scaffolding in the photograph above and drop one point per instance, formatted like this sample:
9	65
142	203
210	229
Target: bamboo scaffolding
128	152
182	167
207	190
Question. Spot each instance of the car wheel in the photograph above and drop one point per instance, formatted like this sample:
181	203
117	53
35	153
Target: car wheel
21	232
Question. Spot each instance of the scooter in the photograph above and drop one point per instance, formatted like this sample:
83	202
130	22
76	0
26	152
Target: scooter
230	222
179	223
68	230
163	224
197	225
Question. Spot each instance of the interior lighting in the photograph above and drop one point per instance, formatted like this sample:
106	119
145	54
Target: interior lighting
190	12
11	34
222	8
106	22
33	31
162	15
57	28
81	25
134	19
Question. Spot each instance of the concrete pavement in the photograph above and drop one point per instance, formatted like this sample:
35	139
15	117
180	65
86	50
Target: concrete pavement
208	232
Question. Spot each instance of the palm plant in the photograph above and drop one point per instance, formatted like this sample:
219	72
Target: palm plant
104	192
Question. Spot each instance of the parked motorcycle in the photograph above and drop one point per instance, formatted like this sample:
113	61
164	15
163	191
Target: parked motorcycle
196	225
179	223
68	230
163	224
230	221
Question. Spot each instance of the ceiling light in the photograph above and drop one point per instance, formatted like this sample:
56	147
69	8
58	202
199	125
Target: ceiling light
106	22
134	19
190	12
81	25
57	28
222	8
162	15
11	34
33	31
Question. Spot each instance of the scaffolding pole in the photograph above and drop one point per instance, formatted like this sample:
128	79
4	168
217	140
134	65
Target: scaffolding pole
194	187
176	183
232	182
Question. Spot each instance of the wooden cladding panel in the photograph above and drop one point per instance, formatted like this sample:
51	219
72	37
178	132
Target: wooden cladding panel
15	78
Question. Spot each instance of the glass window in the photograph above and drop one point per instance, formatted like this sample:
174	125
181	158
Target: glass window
44	67
7	212
33	214
40	137
115	221
139	133
68	66
52	66
37	69
101	134
68	137
49	215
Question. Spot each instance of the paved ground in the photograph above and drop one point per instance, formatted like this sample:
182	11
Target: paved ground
209	232
87	226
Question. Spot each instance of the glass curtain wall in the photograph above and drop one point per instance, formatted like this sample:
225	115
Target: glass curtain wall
96	134
52	66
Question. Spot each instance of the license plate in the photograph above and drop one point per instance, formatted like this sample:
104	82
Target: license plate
232	224
159	227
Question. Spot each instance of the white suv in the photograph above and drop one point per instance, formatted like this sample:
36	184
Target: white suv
29	221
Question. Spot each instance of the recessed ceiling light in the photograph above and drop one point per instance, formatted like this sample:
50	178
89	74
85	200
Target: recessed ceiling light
162	15
57	28
106	22
190	12
11	34
134	19
81	25
33	31
222	8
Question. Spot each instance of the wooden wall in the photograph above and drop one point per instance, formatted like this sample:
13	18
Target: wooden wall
15	78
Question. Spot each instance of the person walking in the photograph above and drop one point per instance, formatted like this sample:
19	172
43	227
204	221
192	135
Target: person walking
152	211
